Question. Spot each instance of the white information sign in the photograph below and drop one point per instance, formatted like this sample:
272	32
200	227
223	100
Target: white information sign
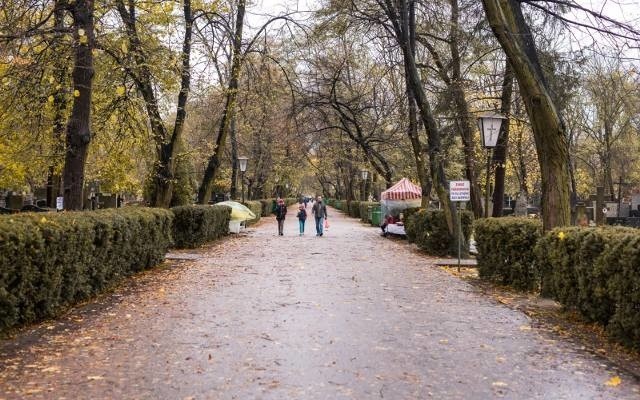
60	203
460	191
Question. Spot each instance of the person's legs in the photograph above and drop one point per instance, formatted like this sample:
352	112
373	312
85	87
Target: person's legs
318	224
280	227
321	226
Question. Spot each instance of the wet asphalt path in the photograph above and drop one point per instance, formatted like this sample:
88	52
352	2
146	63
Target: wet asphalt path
350	315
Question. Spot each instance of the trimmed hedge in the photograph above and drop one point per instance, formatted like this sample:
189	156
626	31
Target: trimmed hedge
410	224
506	250
196	225
428	229
267	205
593	270
354	209
364	209
597	272
51	261
256	207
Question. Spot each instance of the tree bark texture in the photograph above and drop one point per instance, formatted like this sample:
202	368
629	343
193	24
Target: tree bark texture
234	159
412	132
399	17
465	121
167	147
514	35
213	167
500	153
78	135
54	179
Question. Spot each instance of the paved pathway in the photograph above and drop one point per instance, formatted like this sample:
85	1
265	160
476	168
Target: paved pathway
347	316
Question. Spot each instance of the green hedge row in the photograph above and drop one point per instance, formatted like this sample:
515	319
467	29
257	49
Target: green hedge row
428	229
256	207
196	225
50	261
506	250
597	272
593	270
354	209
364	209
267	205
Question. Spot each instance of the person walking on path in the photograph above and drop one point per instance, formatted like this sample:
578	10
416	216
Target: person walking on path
319	211
302	217
281	212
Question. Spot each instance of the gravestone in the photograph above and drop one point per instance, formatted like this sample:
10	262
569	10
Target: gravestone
14	201
107	200
40	194
625	209
635	204
581	215
612	209
521	205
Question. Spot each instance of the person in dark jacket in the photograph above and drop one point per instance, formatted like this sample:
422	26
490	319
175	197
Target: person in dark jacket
281	212
319	211
302	217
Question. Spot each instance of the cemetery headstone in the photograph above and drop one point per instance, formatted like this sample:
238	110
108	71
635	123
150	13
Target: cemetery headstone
521	205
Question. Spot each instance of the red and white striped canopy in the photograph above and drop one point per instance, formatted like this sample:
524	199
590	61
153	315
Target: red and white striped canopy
403	190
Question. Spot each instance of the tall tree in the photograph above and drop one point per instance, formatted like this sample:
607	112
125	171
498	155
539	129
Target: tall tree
204	193
398	15
78	134
167	145
515	37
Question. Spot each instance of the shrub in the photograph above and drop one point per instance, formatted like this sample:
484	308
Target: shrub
429	231
196	225
506	251
256	207
364	209
49	262
597	272
338	204
267	206
354	209
410	226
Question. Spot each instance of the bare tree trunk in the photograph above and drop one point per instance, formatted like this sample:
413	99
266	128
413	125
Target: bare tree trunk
465	121
78	134
515	37
204	193
500	152
54	180
416	144
167	146
234	158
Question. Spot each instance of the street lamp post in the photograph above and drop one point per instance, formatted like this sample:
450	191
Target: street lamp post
364	174
489	124
243	167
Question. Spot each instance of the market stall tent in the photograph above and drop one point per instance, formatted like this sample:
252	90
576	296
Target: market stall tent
400	196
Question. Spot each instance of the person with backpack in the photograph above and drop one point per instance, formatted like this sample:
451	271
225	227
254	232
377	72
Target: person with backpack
319	210
302	217
281	212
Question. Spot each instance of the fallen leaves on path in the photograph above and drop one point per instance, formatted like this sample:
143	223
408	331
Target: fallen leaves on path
614	381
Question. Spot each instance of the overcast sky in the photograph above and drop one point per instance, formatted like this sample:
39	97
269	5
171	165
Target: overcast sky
627	11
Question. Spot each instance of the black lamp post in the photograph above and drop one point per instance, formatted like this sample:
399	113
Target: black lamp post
243	167
489	124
